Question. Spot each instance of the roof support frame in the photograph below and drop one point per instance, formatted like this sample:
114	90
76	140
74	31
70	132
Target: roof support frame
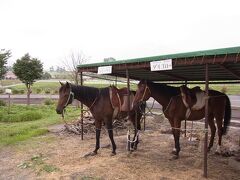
223	66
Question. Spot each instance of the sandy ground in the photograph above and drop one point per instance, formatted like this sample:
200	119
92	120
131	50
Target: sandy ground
64	153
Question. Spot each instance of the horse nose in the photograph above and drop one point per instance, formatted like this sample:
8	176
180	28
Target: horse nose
58	111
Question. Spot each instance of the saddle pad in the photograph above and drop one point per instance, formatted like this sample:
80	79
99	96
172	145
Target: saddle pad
119	99
124	106
200	101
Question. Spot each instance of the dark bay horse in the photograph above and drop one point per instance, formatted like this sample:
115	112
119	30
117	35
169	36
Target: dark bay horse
175	110
100	105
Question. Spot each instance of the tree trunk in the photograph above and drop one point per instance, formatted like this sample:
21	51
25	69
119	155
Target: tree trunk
28	95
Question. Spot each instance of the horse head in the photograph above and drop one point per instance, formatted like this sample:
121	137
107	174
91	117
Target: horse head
143	93
65	97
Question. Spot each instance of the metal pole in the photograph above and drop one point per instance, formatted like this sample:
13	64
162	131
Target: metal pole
116	81
144	117
128	105
185	122
81	79
9	103
206	121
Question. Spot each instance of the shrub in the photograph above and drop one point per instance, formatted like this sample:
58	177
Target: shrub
38	90
1	91
15	91
55	91
224	89
20	117
48	101
21	91
47	91
2	103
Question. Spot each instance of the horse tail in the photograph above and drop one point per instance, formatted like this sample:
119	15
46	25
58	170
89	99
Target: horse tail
227	116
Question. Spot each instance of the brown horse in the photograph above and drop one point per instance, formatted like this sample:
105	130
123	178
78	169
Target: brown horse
100	105
175	110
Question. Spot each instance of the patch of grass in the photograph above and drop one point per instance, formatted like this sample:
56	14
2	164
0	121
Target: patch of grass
2	103
7	82
52	87
22	116
49	101
14	132
38	164
49	168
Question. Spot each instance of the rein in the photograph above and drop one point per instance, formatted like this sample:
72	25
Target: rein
144	93
94	100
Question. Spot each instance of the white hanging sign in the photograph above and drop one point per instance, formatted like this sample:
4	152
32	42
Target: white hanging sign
8	91
161	65
105	70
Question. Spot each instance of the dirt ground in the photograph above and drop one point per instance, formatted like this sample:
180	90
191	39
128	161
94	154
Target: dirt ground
61	156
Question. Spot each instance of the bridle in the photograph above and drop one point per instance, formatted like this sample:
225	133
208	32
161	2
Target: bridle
144	93
71	94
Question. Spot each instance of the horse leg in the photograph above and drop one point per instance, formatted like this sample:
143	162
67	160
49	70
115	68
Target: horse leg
173	132
219	126
110	134
213	130
177	126
136	139
137	127
98	125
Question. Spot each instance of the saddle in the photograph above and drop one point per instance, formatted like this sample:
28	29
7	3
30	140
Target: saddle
193	99
119	99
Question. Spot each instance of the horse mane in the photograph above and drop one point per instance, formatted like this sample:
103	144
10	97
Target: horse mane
88	92
164	88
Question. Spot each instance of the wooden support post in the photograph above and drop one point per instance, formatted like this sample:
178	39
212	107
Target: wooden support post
206	121
81	82
185	122
116	81
144	117
128	105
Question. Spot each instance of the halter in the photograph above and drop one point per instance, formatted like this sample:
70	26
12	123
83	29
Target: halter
145	90
69	97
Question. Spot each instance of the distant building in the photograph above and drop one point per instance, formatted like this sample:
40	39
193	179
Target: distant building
10	75
109	59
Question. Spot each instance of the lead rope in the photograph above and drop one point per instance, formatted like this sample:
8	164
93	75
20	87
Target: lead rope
63	117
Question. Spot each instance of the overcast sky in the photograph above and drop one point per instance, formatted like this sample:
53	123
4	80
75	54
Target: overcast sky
123	29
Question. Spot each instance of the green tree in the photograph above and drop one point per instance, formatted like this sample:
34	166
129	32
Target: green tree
46	75
4	55
28	70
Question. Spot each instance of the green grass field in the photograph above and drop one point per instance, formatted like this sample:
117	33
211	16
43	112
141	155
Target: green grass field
12	132
52	87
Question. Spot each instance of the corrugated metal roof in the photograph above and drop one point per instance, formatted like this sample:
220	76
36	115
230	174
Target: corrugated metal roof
224	64
212	52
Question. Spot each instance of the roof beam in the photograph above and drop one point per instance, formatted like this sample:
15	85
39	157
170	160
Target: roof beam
235	74
124	76
176	77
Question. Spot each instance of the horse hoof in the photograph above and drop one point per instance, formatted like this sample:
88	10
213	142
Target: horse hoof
174	157
90	154
174	152
113	154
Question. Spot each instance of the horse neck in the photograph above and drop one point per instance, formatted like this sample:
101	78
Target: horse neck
163	93
84	94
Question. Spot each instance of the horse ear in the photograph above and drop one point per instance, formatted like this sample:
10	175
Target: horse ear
61	83
67	84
